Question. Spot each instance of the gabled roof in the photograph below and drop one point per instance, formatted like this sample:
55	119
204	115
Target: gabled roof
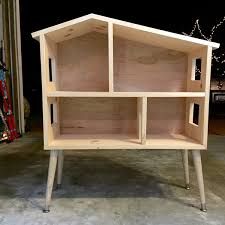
130	31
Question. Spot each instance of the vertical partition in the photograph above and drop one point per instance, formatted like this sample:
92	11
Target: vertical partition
110	55
142	118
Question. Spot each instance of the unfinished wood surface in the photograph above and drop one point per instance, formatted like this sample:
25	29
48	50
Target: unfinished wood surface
110	56
98	115
146	68
122	141
198	168
143	119
137	32
101	66
60	167
51	48
192	84
44	75
206	68
83	63
78	29
125	94
139	119
184	154
51	177
193	130
166	116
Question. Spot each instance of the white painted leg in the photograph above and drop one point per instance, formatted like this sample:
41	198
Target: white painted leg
51	176
198	167
184	154
60	168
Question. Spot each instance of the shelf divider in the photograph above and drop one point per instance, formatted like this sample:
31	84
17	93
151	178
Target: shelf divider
110	55
142	118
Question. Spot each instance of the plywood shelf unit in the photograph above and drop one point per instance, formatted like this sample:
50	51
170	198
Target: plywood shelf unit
109	84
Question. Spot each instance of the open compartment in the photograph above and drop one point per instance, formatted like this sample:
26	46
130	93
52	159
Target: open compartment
78	57
142	64
96	122
175	123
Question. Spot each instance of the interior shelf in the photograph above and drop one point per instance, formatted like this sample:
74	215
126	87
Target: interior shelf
124	94
90	121
95	141
118	141
169	123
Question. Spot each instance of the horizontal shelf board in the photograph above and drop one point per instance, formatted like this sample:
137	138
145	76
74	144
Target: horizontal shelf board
124	94
120	141
172	141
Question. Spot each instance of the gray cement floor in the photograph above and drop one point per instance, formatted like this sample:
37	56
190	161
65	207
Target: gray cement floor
109	187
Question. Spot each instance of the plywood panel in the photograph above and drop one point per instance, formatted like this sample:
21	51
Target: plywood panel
118	141
141	67
79	29
83	63
98	115
166	116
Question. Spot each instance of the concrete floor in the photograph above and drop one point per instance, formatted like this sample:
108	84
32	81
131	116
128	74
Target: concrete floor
109	187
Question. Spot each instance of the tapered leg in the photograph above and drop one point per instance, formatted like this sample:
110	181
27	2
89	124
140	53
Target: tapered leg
186	168
60	168
51	176
198	168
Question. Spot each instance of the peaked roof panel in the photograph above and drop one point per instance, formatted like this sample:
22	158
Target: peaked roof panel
132	31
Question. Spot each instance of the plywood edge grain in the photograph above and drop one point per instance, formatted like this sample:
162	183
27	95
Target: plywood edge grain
159	32
124	94
91	142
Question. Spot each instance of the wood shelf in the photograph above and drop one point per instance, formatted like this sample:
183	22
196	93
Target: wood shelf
119	141
110	84
97	80
124	94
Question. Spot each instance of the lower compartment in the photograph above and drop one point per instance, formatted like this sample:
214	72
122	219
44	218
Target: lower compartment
103	141
116	122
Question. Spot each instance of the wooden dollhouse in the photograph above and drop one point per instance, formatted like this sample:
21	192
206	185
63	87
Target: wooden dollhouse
110	84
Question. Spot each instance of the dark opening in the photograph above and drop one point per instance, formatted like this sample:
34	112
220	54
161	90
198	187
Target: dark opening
50	68
196	114
198	63
51	113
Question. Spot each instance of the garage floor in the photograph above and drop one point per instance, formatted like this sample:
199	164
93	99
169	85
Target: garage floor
109	187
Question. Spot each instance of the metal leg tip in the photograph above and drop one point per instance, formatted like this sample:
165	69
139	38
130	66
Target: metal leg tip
187	187
203	207
46	210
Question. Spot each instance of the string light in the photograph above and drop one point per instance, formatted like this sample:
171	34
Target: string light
219	59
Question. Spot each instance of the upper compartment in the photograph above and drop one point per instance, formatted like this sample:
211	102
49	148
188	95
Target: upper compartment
99	54
80	62
148	62
142	65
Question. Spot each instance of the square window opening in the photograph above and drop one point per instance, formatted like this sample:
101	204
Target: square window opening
197	64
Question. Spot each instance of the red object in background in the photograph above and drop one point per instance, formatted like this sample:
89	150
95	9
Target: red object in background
7	110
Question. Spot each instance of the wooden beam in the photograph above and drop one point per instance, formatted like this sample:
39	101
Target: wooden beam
110	52
142	118
44	75
206	70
